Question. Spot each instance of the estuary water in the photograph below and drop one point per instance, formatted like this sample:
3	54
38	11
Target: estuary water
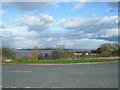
22	53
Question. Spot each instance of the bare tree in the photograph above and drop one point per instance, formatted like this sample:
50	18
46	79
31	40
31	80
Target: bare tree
7	52
36	52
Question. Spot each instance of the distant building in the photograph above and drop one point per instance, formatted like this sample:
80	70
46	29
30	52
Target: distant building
93	54
19	48
80	53
86	53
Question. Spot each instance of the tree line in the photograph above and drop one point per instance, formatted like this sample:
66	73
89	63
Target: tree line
105	50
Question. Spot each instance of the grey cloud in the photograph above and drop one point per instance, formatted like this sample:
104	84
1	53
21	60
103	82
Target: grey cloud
91	27
93	43
28	6
91	24
35	23
13	37
113	38
79	28
49	38
16	38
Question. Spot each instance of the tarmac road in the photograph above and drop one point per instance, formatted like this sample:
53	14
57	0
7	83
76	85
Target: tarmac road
103	75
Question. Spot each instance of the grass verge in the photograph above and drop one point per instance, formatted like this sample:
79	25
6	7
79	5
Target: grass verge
60	61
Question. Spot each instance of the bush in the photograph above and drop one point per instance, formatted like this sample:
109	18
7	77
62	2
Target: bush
116	52
7	52
35	52
66	54
55	54
47	56
40	56
104	54
109	49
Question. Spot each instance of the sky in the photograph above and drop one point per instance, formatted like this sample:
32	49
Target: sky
77	25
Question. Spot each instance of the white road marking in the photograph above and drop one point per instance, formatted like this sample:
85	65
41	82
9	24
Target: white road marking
18	71
28	87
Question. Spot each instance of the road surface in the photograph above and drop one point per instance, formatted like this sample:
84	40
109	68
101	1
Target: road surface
103	75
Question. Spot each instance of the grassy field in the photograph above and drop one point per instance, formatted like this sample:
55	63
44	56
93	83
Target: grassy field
60	61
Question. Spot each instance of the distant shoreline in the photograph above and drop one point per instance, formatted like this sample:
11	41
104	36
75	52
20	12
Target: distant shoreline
62	62
55	49
58	64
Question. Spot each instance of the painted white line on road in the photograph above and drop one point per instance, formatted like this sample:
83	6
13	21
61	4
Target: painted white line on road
28	87
9	87
18	71
32	87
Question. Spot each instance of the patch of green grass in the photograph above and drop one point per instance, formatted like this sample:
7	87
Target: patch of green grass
60	61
